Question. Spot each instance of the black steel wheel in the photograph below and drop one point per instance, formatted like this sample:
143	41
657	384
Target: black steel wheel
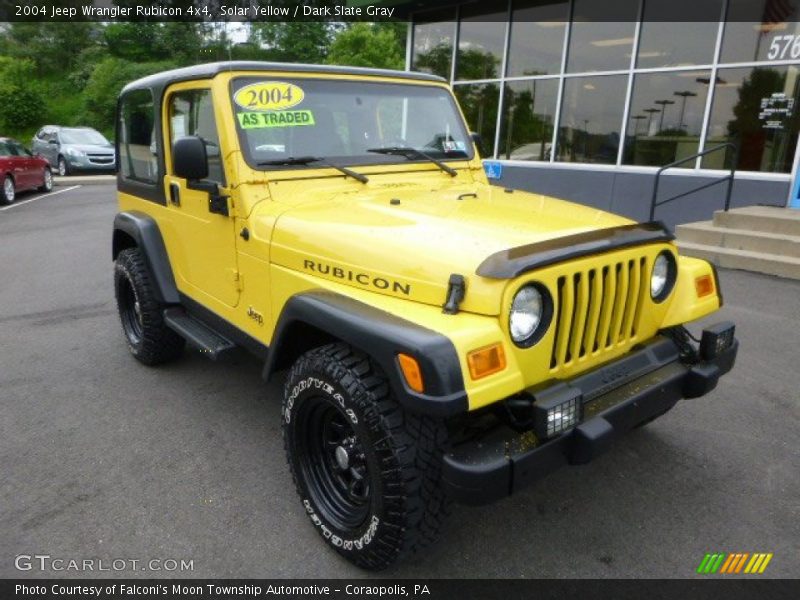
367	471
141	313
334	463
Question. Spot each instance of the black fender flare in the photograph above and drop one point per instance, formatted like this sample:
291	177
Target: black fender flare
144	231
380	335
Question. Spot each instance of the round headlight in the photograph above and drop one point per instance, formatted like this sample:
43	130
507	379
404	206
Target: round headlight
662	277
527	310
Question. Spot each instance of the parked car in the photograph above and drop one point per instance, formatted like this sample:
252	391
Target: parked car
20	170
71	149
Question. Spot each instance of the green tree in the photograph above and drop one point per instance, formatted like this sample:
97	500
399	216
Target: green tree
21	101
53	47
366	45
299	42
180	42
105	83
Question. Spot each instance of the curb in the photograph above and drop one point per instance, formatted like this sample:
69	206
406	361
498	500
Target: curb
85	180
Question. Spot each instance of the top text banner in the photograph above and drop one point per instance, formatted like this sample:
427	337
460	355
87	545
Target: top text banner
677	11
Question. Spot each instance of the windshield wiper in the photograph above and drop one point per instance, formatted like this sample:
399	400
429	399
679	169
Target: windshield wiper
410	152
305	160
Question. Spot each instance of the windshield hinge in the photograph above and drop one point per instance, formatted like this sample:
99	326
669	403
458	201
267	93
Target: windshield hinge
456	288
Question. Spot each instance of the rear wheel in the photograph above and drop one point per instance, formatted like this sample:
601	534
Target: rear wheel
47	181
141	313
367	472
9	192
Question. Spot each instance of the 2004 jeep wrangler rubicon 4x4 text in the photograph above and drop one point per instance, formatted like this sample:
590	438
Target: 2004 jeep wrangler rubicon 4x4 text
446	339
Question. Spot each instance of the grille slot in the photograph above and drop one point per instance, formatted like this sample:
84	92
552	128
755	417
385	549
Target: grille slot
597	309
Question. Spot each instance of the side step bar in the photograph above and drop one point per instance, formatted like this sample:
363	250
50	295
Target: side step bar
198	334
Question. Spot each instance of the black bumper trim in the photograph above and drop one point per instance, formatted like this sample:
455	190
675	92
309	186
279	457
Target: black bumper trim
504	461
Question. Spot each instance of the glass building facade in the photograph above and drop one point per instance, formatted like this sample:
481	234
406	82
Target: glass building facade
554	81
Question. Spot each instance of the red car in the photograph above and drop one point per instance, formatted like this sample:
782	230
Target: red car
20	170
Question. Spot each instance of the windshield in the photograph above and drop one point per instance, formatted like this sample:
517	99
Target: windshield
345	121
82	136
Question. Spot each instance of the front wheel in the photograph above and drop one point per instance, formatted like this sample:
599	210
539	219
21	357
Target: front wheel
141	313
367	471
63	167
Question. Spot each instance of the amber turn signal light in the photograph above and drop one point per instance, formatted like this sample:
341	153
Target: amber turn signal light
411	371
485	361
704	285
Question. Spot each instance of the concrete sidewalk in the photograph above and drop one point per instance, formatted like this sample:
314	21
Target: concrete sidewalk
85	180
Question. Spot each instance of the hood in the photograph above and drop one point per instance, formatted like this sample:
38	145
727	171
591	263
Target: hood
407	242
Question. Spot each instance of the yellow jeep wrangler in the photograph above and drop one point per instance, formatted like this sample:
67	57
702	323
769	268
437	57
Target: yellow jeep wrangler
445	339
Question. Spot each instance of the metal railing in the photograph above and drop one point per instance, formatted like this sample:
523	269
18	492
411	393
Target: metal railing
729	177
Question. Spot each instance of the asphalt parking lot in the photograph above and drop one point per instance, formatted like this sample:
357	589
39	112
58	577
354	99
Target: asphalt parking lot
105	458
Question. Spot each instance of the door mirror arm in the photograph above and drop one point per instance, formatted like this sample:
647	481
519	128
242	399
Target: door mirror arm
217	203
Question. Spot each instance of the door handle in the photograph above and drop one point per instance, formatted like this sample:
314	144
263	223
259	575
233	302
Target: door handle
175	194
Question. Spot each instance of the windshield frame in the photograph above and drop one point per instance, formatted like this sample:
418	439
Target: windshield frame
380	160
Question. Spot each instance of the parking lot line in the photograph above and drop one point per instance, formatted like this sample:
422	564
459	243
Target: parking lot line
74	187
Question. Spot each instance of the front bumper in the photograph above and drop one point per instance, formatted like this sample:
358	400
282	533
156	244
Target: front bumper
615	398
89	163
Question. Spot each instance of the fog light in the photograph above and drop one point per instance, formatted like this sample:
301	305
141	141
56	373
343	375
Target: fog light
556	412
716	339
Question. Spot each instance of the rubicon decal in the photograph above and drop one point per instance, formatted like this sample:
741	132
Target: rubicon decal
734	563
360	277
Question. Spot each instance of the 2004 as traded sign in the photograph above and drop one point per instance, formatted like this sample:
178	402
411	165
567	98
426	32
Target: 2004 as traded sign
269	95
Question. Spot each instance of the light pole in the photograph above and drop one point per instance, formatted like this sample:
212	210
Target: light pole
664	104
650	112
637	119
684	95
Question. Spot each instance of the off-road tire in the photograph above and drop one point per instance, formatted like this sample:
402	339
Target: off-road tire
406	505
5	199
148	338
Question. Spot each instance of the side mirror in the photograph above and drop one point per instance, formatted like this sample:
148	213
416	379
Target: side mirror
476	138
189	159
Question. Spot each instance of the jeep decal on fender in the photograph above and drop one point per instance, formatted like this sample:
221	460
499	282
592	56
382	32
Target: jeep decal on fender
364	279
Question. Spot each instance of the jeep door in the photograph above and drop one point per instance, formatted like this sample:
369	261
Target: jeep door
206	254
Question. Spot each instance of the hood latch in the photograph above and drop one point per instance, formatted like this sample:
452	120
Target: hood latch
456	289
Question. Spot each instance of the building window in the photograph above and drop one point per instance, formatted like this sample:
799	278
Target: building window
537	37
666	117
591	116
755	107
602	35
761	30
433	43
481	43
526	129
479	103
666	43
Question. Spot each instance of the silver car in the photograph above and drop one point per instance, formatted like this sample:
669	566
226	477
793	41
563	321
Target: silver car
70	149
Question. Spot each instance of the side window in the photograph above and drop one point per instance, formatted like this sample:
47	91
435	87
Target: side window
138	154
4	151
191	112
16	149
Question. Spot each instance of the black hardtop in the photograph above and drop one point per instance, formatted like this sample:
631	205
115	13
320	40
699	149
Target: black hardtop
159	81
